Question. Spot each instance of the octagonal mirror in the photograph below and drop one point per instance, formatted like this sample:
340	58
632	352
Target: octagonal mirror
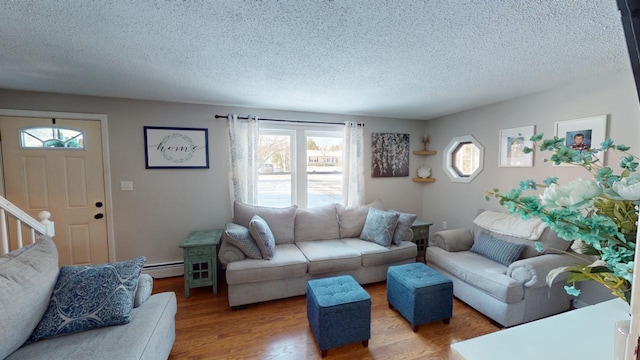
463	158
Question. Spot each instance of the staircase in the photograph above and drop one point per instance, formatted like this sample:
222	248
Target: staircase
11	215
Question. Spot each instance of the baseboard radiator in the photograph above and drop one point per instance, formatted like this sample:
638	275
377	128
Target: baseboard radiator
165	269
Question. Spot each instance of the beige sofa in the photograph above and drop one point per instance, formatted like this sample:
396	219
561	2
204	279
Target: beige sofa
310	243
513	293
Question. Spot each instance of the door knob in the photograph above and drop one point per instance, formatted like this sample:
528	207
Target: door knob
98	216
99	204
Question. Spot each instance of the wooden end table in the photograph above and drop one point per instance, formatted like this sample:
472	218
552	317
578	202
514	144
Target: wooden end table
421	237
201	259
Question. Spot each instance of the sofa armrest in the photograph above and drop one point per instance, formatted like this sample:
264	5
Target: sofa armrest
532	272
453	240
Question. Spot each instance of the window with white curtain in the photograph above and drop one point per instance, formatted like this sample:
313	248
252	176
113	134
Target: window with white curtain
300	164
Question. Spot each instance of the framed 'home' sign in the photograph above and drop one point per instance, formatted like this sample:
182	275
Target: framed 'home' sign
176	148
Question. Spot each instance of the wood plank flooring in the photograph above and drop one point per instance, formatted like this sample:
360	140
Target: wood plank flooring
206	328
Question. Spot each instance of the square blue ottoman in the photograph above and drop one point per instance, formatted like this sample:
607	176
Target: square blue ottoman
339	312
420	293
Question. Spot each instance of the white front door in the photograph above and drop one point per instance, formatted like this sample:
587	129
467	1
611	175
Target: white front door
57	166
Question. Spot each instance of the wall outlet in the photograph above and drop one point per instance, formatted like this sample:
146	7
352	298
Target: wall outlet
444	225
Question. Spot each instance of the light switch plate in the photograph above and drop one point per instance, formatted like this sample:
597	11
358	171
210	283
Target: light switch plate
126	185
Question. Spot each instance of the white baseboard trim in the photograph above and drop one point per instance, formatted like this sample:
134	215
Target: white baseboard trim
164	270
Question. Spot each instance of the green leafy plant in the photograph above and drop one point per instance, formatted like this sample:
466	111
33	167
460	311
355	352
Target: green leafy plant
601	213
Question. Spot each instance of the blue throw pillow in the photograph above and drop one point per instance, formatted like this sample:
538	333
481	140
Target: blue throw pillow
89	297
240	237
404	224
380	226
265	240
497	250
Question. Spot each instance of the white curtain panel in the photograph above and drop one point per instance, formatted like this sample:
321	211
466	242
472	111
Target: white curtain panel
243	150
353	170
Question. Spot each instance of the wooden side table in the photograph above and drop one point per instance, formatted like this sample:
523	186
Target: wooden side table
201	259
421	236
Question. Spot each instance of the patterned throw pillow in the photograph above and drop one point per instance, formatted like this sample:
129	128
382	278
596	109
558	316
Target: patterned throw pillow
379	226
497	250
240	237
404	223
89	297
264	237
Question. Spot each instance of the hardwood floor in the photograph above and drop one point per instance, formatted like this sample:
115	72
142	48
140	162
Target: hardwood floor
206	328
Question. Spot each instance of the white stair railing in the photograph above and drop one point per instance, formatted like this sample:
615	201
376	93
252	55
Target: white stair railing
8	210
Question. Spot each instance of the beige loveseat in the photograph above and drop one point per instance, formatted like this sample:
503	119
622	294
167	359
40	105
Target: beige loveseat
510	293
310	243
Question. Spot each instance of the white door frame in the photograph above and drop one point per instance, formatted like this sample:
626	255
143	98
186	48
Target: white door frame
105	159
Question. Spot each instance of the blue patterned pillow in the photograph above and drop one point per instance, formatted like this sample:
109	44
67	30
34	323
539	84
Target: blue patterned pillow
380	226
89	297
404	224
264	237
240	237
497	250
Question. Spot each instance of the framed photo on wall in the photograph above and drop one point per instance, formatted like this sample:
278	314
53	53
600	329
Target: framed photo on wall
512	144
176	148
584	133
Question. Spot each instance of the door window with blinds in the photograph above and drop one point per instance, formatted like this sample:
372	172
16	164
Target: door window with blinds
300	164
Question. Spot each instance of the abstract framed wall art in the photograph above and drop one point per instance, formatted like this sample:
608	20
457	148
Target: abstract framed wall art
176	148
389	155
512	144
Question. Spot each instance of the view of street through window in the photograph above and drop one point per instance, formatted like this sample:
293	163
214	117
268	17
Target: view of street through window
324	186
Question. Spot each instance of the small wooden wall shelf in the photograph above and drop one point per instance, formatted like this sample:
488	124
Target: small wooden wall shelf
424	180
424	152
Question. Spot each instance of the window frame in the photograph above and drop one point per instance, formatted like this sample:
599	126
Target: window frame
25	132
450	164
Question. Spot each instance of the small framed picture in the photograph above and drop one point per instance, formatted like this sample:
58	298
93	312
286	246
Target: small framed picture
583	134
176	148
512	144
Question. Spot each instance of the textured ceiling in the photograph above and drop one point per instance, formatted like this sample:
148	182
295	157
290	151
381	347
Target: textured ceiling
392	58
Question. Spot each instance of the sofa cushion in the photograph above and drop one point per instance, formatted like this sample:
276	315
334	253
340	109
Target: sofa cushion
149	335
478	271
373	254
264	237
27	277
317	223
503	252
89	297
404	224
287	262
352	218
380	226
240	237
330	256
280	220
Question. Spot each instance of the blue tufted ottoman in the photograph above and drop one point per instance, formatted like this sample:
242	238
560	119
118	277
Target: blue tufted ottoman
419	293
339	312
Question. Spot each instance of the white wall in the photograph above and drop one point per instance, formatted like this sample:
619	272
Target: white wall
457	203
166	204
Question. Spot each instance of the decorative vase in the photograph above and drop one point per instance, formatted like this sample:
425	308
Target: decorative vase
424	172
620	335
